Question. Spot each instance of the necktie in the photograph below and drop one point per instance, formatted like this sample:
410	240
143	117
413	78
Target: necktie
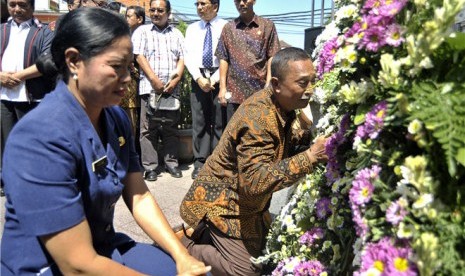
207	55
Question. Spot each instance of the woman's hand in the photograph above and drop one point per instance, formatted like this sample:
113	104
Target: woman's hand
190	266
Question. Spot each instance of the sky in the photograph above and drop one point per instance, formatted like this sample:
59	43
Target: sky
291	30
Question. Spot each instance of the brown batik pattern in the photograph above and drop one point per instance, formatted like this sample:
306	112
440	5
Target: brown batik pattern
234	188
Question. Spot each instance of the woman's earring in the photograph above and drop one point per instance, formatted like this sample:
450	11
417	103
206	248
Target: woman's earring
75	77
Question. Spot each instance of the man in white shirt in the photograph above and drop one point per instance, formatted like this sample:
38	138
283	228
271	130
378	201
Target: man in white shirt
24	39
159	51
207	113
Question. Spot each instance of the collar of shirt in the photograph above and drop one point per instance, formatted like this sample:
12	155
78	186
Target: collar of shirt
203	23
166	29
282	115
25	24
253	23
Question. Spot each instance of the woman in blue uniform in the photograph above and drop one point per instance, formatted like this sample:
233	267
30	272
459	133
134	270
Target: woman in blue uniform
69	160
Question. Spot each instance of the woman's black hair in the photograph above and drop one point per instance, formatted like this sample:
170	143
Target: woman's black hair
90	31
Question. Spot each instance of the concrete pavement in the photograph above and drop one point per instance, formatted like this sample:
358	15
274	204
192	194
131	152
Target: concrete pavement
168	192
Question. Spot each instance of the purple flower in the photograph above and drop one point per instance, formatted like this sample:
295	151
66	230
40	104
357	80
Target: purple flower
373	38
390	9
331	147
394	35
401	264
377	255
395	213
326	59
387	259
309	268
309	237
322	207
361	228
374	122
362	186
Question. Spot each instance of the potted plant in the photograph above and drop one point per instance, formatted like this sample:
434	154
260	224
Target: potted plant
185	123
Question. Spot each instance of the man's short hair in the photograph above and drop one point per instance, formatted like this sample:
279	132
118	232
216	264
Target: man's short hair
138	11
168	4
280	61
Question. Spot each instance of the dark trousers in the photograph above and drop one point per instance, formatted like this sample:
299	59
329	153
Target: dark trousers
11	112
162	125
230	109
208	118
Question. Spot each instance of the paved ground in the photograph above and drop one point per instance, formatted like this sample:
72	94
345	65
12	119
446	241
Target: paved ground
168	192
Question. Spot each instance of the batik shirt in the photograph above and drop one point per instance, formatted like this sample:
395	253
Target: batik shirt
234	188
247	49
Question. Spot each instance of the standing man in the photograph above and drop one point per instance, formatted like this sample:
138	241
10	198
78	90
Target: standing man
207	112
23	40
159	51
228	202
246	47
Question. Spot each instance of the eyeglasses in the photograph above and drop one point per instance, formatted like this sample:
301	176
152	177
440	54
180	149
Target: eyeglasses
153	10
201	4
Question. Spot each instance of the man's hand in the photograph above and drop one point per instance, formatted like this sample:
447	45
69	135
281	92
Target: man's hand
191	267
221	97
205	84
157	85
317	152
8	79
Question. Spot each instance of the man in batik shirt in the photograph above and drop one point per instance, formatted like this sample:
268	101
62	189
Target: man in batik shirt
229	200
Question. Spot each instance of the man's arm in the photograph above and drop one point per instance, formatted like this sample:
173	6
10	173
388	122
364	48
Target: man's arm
260	172
28	73
173	82
224	66
144	65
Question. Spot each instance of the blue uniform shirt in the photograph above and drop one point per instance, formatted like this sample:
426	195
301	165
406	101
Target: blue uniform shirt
53	178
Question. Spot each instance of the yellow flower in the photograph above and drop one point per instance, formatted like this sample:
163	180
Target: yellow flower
415	126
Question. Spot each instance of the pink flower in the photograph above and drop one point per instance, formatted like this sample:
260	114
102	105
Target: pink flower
309	237
394	35
395	213
362	186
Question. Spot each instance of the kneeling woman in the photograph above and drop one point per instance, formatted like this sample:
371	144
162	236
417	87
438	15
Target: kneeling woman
69	160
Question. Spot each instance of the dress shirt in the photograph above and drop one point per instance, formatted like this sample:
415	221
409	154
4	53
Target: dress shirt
195	34
52	180
13	60
234	188
162	49
247	48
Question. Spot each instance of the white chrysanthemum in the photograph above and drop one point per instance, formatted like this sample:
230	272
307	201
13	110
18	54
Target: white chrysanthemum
321	95
423	201
346	56
414	127
331	30
349	12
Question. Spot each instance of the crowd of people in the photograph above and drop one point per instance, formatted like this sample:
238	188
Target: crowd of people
94	136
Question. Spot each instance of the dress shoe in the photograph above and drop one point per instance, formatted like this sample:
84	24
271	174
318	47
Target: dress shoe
175	172
151	175
195	173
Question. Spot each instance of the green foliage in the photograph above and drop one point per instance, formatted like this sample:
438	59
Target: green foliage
442	109
186	88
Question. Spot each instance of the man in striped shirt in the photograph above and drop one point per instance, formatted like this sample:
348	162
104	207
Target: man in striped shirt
159	50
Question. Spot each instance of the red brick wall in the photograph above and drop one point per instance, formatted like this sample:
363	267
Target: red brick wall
142	3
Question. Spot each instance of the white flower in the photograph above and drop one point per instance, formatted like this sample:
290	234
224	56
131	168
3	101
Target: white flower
414	127
349	11
423	201
405	231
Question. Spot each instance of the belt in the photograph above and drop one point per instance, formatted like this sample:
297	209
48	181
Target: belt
208	72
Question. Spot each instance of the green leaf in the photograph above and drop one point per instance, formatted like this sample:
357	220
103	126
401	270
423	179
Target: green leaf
457	42
461	156
362	110
443	115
